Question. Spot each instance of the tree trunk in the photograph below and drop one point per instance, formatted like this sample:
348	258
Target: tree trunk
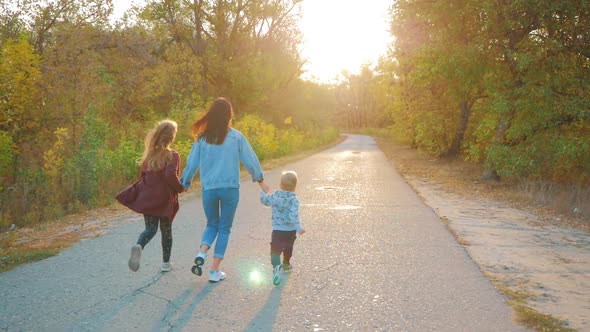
465	111
490	173
200	46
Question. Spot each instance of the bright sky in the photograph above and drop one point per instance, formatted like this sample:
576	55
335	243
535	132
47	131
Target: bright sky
337	34
342	35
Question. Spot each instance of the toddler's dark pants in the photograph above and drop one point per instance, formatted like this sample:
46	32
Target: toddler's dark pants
282	242
151	228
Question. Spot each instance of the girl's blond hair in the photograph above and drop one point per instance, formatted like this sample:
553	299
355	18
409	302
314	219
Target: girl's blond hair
156	154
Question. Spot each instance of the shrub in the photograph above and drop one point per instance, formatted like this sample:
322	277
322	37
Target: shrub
6	156
260	134
183	147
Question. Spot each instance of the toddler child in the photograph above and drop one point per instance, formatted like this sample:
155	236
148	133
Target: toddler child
285	223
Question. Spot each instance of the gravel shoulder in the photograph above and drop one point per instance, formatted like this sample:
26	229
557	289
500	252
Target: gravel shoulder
539	259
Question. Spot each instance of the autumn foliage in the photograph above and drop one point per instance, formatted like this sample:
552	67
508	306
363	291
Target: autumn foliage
79	91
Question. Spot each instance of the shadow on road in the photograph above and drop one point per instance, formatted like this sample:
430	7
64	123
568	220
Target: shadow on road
267	315
166	320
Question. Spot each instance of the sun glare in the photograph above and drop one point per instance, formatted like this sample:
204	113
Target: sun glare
342	35
337	34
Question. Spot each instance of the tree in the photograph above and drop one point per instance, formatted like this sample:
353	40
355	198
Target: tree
512	75
247	48
42	17
439	58
20	116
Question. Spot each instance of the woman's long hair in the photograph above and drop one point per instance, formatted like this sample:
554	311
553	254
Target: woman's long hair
156	154
214	125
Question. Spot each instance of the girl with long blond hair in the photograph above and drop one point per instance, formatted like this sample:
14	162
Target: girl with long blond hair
155	195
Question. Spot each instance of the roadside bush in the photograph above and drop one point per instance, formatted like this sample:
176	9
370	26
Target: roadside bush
290	140
90	164
183	147
6	157
125	159
433	133
261	135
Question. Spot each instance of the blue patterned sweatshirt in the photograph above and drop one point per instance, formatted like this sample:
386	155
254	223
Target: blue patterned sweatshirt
285	210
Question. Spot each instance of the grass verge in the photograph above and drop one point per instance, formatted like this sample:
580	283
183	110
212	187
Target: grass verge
13	258
538	321
463	177
525	315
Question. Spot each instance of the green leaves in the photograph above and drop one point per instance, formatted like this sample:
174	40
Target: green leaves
524	67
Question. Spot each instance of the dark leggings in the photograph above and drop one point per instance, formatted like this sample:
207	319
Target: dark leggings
281	242
151	228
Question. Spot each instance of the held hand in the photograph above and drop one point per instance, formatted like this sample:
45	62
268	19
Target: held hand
301	232
264	187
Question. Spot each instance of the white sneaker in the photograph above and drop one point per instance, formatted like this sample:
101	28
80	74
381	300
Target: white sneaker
135	258
166	267
276	277
215	276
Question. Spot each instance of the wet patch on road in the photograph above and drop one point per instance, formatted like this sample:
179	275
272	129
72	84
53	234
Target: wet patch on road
328	188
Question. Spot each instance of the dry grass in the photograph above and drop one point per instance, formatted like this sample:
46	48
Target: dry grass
13	258
572	200
538	321
525	314
554	203
27	245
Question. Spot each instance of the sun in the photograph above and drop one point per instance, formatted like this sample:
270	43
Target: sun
342	35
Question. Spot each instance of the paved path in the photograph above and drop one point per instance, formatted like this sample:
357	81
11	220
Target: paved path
374	258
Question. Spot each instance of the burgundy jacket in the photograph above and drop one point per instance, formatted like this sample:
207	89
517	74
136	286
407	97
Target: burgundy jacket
156	193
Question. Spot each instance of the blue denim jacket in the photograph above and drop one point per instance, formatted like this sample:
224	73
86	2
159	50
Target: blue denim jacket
285	210
219	165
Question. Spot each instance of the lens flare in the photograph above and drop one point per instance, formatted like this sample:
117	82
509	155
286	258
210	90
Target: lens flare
255	276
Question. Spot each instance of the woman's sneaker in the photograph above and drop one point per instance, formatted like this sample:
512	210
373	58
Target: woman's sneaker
215	276
135	258
166	267
287	268
276	277
199	261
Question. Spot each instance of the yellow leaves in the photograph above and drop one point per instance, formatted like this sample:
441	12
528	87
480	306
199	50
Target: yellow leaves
53	158
19	76
260	134
288	120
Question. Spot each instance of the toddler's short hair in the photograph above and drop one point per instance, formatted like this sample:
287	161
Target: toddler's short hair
289	180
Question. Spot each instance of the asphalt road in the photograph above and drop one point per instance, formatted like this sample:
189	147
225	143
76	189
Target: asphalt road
374	258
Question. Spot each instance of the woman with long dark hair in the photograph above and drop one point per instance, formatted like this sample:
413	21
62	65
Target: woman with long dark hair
216	153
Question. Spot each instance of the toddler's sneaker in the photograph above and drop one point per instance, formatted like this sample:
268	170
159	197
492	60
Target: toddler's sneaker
199	261
135	258
166	267
215	276
276	278
287	268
